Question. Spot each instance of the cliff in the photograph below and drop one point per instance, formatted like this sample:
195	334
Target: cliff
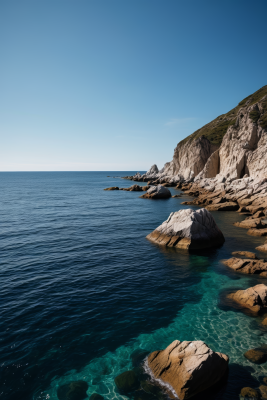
230	147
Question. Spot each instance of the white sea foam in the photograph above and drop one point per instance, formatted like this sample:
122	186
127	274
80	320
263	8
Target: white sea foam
158	380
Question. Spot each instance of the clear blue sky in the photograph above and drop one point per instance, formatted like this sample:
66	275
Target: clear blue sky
116	84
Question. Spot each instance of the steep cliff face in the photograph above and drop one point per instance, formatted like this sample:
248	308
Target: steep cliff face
190	158
244	147
229	147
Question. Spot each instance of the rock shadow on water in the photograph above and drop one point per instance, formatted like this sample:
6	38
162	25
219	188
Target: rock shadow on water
241	376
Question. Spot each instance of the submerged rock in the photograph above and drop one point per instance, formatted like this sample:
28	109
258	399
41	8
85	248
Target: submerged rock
75	390
257	355
248	393
127	382
189	367
254	298
247	266
188	229
157	192
263	392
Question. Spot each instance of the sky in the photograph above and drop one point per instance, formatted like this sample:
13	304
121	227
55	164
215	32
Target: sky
114	85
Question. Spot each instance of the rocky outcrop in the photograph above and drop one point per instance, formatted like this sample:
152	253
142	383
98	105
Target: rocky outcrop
254	298
189	367
227	206
112	188
262	247
247	266
250	223
157	192
188	229
228	148
257	232
244	254
190	157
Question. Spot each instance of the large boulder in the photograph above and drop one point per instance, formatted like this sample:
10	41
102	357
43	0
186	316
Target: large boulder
254	298
189	367
157	192
127	382
188	229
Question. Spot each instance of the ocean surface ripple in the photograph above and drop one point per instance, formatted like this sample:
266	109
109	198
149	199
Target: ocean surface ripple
81	287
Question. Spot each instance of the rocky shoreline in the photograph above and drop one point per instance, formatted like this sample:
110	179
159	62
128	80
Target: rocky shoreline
227	175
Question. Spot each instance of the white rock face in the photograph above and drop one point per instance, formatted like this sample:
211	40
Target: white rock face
188	229
190	158
153	170
243	149
190	223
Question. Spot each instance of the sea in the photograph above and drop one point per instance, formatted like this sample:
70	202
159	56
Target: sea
81	288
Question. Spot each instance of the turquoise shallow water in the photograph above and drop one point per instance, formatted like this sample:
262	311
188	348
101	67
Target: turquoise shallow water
82	288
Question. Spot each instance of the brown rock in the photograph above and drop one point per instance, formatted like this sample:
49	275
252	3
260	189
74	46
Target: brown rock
254	298
245	202
247	266
167	184
254	209
249	393
242	209
112	188
189	367
246	254
250	223
177	195
264	380
135	188
257	232
263	391
264	323
263	247
259	214
227	206
257	355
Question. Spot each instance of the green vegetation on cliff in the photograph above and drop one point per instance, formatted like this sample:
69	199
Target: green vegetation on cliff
216	129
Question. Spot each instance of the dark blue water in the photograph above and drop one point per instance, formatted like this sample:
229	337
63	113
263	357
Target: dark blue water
81	287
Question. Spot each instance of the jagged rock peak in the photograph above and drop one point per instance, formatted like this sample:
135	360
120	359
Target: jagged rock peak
153	170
